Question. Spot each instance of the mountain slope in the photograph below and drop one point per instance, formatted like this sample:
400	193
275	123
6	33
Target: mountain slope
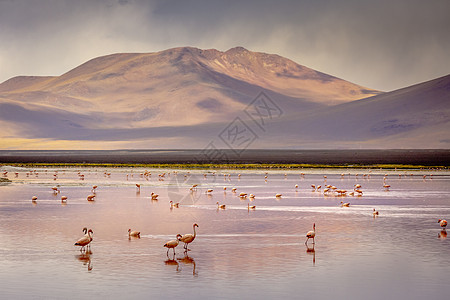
155	89
186	98
414	117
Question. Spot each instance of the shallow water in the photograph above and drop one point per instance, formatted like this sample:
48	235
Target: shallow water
238	253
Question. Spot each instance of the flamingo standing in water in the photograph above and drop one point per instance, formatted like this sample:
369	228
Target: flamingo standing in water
250	207
85	240
134	233
189	238
63	199
311	234
172	204
375	212
33	199
220	206
443	223
172	244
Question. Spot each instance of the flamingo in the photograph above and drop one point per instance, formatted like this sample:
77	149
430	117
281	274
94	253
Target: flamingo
375	212
220	206
172	204
138	186
251	196
172	244
345	204
134	233
311	234
188	238
296	186
94	187
91	198
278	195
443	223
154	196
85	240
63	199
209	191
33	199
251	207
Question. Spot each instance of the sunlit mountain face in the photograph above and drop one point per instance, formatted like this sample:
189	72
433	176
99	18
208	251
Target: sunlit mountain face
189	98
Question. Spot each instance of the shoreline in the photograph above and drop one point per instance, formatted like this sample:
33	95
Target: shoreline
220	158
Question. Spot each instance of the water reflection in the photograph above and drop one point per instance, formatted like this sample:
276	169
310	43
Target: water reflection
442	234
188	260
172	262
311	251
85	258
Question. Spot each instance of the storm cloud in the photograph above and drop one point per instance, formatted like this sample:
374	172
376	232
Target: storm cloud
379	44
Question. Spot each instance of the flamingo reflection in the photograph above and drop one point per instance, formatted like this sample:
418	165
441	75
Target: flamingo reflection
311	251
172	262
187	260
85	258
442	234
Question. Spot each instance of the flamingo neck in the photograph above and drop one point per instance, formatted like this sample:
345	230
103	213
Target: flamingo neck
194	231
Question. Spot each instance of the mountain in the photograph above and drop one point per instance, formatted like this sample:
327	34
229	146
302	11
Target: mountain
415	117
188	97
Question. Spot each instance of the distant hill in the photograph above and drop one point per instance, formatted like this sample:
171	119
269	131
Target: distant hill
416	117
186	97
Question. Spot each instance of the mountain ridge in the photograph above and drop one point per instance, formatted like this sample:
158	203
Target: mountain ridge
184	97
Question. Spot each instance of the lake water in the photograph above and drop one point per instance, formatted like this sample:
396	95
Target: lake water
238	253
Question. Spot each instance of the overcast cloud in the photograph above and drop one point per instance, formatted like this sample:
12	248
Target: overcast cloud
379	44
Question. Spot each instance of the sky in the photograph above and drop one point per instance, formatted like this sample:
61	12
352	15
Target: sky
383	45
